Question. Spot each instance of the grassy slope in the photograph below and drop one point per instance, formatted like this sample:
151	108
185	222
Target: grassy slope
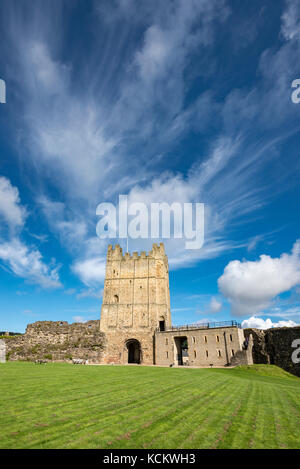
66	406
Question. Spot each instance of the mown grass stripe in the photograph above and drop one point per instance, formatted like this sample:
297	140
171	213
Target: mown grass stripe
62	406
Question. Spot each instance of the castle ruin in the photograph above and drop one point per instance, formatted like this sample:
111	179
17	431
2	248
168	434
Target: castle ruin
136	318
135	325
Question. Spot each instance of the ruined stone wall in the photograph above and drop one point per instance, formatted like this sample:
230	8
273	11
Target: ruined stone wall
2	351
274	346
136	298
58	341
244	356
259	352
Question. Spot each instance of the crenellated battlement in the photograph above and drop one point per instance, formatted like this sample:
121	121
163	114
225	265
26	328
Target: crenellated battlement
116	253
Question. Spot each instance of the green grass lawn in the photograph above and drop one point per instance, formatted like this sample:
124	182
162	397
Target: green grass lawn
75	406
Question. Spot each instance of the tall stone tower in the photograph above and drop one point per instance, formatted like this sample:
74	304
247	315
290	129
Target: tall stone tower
136	301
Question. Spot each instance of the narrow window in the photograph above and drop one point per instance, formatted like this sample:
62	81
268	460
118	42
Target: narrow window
231	337
195	354
166	341
194	340
167	354
205	339
219	353
218	338
206	352
232	351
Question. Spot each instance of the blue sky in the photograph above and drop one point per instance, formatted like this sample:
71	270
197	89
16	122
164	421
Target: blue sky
182	100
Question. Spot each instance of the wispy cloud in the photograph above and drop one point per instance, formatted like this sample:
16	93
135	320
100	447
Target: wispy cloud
87	137
11	210
22	260
27	263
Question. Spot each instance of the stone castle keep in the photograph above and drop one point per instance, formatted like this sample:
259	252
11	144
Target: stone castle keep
136	301
136	327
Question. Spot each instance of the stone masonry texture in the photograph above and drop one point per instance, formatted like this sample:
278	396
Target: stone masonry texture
274	346
57	341
136	300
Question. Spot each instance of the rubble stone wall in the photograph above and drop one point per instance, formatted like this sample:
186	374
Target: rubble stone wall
274	346
57	341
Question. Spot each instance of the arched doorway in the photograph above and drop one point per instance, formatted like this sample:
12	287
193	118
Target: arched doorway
134	351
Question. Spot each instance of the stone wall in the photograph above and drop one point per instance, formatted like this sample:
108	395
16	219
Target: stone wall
274	346
260	354
136	299
2	351
244	356
206	347
58	341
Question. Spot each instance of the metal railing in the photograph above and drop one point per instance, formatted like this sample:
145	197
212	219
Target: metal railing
208	325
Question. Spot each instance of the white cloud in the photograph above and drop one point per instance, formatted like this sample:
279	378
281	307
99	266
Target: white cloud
79	319
290	27
90	271
152	99
10	209
259	323
73	139
70	291
251	285
26	262
70	227
215	306
90	293
20	259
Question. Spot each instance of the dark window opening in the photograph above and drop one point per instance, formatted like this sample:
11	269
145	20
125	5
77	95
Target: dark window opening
161	325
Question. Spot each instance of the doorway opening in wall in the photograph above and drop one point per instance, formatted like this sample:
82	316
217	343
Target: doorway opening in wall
181	351
134	351
162	325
